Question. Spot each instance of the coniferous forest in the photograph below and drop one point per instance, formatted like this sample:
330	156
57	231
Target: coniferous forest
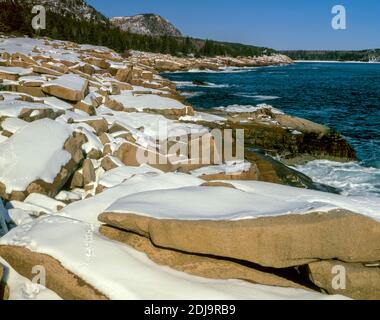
15	18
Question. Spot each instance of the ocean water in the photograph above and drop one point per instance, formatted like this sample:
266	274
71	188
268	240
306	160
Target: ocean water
343	96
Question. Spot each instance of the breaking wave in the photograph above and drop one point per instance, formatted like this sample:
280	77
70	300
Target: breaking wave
352	179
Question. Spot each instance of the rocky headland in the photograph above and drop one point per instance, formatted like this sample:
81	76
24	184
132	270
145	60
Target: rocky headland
75	121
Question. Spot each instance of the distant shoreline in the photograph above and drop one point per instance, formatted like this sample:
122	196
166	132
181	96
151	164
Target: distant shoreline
333	61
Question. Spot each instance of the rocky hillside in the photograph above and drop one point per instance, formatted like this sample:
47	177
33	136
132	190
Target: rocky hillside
16	17
147	24
75	8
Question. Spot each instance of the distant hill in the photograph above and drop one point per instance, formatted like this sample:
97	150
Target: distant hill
362	55
146	24
77	8
83	24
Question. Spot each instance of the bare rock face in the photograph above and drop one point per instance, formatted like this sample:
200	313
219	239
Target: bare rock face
67	87
202	266
279	242
66	284
354	280
147	24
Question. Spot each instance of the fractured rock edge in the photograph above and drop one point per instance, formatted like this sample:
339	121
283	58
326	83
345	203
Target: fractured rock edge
278	242
198	265
58	279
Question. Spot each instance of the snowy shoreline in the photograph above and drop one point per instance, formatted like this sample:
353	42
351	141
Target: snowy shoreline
108	219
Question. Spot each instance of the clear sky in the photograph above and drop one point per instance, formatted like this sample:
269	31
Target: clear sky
279	24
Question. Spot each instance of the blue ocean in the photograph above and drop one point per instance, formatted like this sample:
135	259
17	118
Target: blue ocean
343	96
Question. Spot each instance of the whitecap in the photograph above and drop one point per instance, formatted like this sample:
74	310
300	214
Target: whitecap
184	84
192	94
352	179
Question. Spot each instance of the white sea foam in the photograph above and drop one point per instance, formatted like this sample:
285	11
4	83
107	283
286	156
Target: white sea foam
223	70
351	178
237	108
188	94
181	84
265	98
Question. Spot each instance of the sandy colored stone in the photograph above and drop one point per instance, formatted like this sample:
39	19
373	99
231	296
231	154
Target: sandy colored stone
28	116
89	175
33	91
100	63
117	128
44	70
251	174
74	146
123	74
58	279
4	289
89	109
77	180
217	184
94	154
23	57
128	154
362	283
67	93
57	66
279	242
100	126
8	76
107	150
120	85
147	75
169	113
104	139
108	164
202	266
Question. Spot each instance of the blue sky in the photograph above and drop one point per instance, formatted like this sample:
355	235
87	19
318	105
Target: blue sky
279	24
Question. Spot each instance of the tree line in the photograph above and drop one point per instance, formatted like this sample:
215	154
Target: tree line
362	55
16	17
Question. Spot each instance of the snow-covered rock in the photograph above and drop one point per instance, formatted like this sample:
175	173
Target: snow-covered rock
40	157
149	102
54	242
263	228
67	87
